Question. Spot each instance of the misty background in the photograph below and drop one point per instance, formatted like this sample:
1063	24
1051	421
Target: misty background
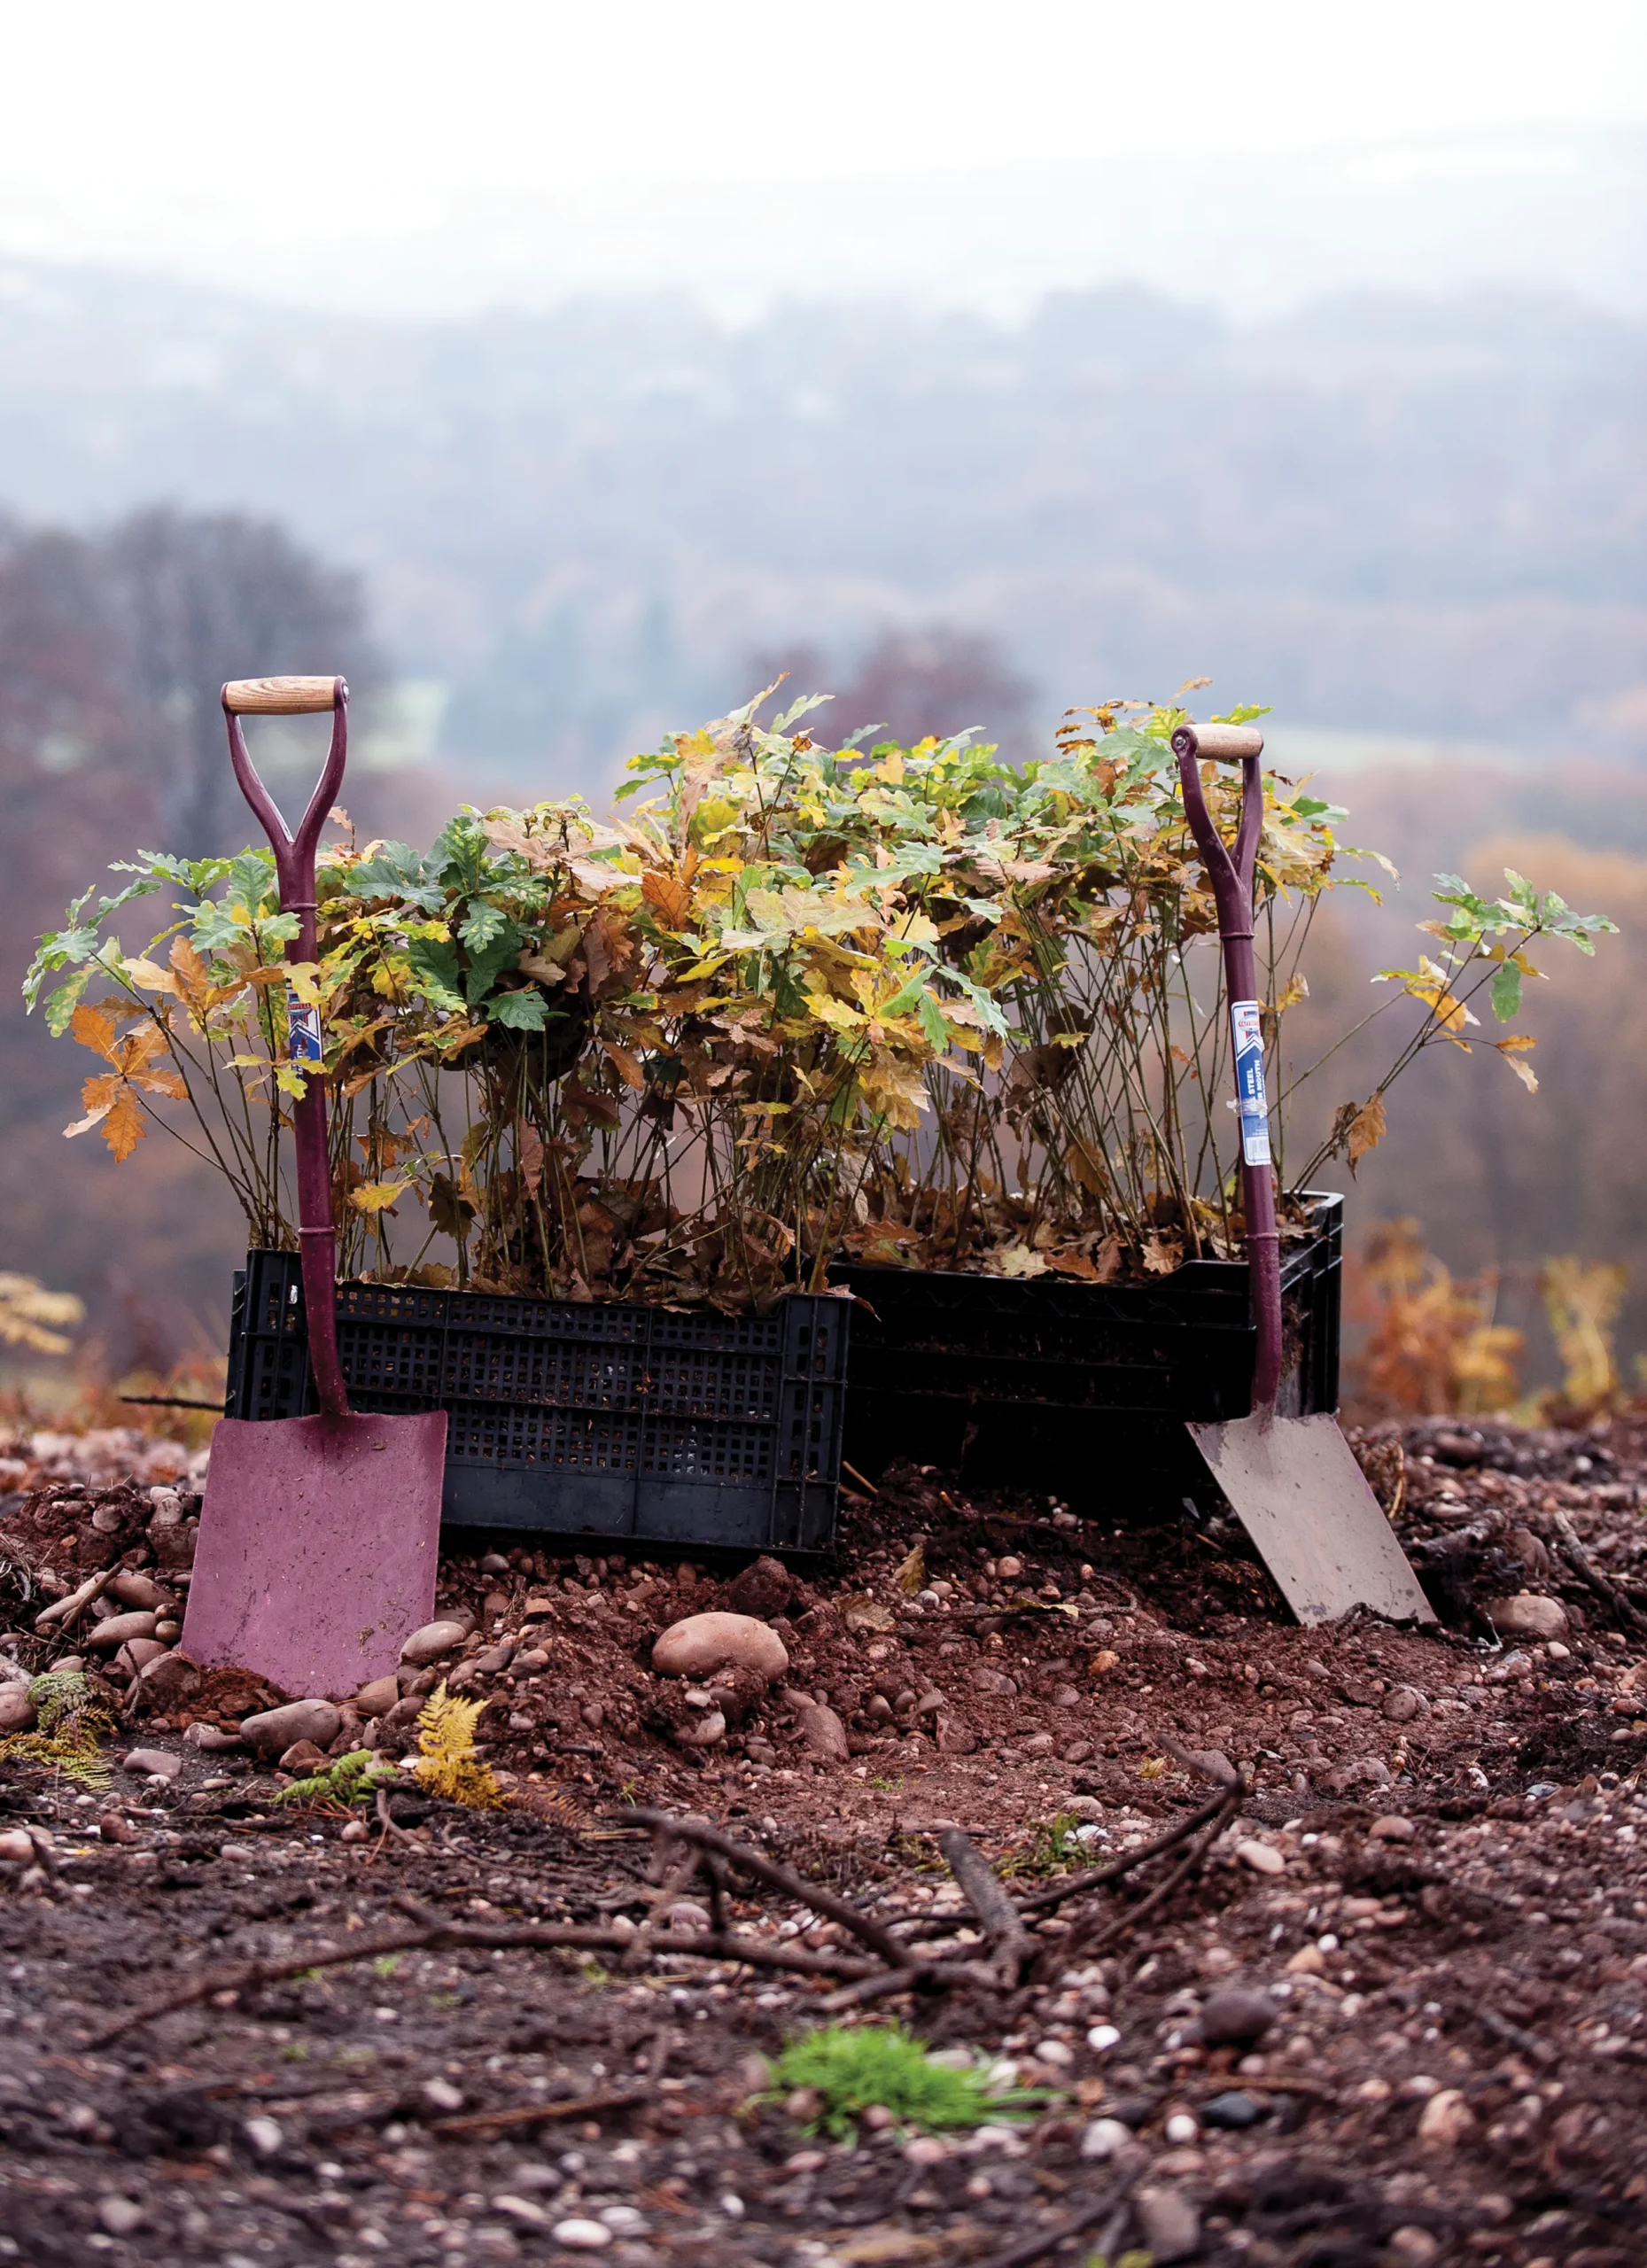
1356	427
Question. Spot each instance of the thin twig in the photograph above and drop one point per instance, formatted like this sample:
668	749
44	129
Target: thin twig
1096	1878
452	1937
1078	1941
1037	2248
871	1933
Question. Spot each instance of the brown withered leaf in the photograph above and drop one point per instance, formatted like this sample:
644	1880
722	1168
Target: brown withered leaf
859	1611
1366	1130
912	1572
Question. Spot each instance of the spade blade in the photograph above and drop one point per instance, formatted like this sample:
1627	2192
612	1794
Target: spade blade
1300	1495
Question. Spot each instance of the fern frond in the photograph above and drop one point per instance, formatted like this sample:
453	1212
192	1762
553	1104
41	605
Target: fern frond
447	1765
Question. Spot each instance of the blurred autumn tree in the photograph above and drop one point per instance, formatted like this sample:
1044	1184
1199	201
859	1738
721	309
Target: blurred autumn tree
913	682
112	649
1499	1180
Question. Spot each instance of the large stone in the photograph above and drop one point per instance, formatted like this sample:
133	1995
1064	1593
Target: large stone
108	1638
16	1711
272	1731
823	1733
705	1642
984	1680
955	1735
1236	2017
136	1655
136	1590
1171	2224
434	1639
1403	1703
377	1699
153	1763
1528	1615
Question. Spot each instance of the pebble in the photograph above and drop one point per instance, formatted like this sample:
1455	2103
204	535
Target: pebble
1039	1744
1263	1858
925	2149
1181	2128
434	1639
1412	2246
1528	1615
264	2134
118	2215
706	1731
1083	1807
1391	1828
137	1653
355	1830
109	1637
132	1589
1057	2052
1403	1703
274	1731
157	1763
18	1713
704	1643
302	1759
685	1914
1236	2017
763	1588
1447	2120
1102	2037
955	1736
378	1697
520	2208
1171	2225
113	1826
1557	1652
581	2236
1232	2110
209	1738
1009	1568
1106	2138
1306	1962
985	1680
824	1733
807	2161
440	2095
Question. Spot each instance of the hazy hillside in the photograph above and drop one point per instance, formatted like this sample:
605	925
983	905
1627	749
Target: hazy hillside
1424	517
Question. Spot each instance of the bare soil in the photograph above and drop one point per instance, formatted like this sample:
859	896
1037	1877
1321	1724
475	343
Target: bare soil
1438	1874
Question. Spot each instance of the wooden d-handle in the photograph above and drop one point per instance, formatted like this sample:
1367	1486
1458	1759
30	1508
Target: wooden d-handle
1218	743
283	696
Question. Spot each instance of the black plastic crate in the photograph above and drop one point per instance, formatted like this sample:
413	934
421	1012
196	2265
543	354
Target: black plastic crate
582	1418
1051	1383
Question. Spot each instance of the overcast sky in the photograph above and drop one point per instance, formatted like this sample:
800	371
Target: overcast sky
138	131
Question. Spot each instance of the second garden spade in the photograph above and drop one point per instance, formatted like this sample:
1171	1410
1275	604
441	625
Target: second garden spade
319	1536
1293	1482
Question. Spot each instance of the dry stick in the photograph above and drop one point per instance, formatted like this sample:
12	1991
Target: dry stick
454	1937
986	1894
1096	1878
674	1882
532	2114
813	1895
924	1976
1037	2248
1078	1941
1573	1552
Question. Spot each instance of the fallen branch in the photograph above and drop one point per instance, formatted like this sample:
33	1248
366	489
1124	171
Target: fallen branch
983	1890
813	1895
1572	1551
1096	1878
1083	1940
453	1937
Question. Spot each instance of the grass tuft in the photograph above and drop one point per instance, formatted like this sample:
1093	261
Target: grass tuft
852	2070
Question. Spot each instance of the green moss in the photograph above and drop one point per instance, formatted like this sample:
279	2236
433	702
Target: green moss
853	2070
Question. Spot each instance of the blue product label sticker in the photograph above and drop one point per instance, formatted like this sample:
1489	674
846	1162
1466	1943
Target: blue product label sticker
1249	1081
302	1031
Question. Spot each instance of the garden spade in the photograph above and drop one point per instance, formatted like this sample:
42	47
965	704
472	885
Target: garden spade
1293	1482
318	1535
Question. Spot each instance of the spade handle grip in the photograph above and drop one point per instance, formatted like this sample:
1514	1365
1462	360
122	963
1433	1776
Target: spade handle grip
283	696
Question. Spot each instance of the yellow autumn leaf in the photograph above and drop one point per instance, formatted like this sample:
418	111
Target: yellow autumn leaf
377	1196
912	1572
150	976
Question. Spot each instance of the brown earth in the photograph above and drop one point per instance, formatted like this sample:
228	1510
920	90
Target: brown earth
1436	1873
